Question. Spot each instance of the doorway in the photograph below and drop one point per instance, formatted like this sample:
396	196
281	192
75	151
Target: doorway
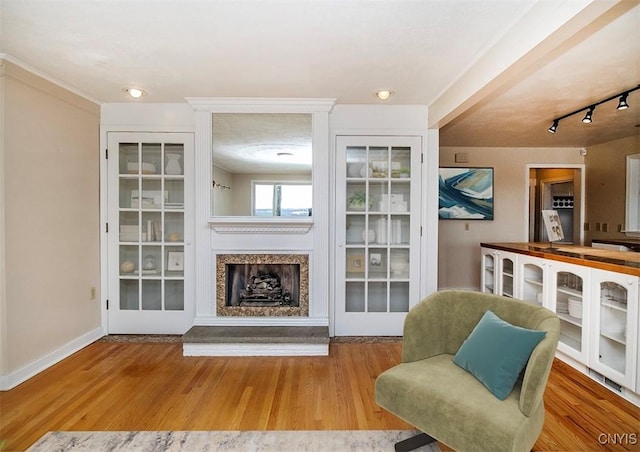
559	188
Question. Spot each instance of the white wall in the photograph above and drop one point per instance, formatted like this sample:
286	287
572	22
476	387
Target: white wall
459	243
51	207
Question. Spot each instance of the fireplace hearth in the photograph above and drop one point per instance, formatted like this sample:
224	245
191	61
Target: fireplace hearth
262	285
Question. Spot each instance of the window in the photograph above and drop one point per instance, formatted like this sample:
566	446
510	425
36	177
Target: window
632	227
282	199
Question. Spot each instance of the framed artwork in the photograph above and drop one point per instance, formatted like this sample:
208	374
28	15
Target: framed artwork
355	263
175	261
465	194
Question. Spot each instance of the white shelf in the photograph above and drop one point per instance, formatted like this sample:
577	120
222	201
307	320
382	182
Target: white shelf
616	305
535	282
569	291
569	319
617	336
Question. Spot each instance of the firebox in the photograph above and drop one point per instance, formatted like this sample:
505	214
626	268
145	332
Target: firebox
262	284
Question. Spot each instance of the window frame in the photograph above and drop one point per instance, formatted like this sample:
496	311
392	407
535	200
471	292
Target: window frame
255	183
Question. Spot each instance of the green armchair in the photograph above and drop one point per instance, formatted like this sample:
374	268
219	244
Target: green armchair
449	404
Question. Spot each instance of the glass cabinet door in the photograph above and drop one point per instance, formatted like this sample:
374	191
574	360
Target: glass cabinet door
378	225
488	271
149	242
507	277
533	281
571	304
615	330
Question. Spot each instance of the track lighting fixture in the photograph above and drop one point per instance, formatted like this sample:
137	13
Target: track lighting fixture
623	105
588	117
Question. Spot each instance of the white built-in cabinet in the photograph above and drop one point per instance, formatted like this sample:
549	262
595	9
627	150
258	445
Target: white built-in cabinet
378	193
598	311
149	232
498	272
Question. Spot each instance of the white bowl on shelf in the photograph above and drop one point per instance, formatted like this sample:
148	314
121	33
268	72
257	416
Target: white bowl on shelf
575	307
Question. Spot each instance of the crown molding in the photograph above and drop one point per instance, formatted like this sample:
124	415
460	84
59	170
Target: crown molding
26	67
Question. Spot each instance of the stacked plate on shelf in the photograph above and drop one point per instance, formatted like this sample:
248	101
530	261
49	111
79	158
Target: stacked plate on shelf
562	307
575	307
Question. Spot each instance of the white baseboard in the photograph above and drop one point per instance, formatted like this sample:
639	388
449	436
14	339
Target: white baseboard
13	379
239	349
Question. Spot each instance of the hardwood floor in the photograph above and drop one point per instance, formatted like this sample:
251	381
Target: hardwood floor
151	386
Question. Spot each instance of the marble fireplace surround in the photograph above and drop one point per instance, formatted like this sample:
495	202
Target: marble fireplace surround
262	311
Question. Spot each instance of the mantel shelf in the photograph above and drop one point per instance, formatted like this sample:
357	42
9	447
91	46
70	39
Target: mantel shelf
260	225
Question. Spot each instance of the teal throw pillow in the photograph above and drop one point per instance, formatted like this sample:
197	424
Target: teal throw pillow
496	352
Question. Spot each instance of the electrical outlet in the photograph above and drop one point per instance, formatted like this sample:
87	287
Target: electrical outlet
462	157
587	226
598	227
93	293
466	226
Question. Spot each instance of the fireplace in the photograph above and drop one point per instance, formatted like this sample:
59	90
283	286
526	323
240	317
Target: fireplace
262	285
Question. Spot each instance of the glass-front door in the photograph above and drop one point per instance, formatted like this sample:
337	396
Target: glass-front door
378	233
149	233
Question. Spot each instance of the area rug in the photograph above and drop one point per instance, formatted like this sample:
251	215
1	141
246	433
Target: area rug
200	441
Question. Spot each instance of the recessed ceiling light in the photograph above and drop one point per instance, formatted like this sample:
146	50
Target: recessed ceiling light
384	94
134	92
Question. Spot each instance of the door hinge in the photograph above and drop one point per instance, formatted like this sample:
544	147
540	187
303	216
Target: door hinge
107	304
106	229
421	158
420	231
106	154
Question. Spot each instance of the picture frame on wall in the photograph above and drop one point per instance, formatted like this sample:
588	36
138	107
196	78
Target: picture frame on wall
465	193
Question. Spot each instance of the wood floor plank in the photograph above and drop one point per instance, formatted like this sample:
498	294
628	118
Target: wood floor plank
151	386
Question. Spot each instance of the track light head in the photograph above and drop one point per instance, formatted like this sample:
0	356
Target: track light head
623	105
554	126
588	117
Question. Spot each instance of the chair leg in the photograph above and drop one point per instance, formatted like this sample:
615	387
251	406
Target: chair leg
419	440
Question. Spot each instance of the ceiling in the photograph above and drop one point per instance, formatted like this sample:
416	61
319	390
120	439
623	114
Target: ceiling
347	50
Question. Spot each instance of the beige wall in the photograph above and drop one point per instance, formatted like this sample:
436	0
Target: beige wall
606	186
52	232
459	248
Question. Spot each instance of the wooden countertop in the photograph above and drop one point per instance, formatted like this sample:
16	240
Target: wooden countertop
627	262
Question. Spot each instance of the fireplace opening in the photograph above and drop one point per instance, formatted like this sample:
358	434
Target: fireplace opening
268	285
262	285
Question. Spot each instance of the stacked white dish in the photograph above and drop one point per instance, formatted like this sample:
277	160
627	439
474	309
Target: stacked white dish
562	307
145	167
575	307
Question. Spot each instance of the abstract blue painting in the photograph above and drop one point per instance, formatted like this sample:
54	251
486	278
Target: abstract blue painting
466	194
